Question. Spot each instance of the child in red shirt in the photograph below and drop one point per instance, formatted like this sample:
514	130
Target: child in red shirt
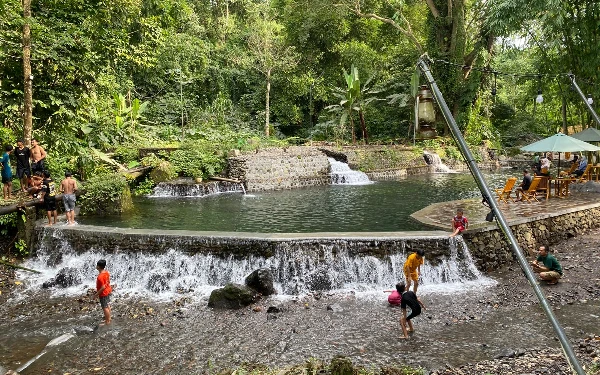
103	289
459	223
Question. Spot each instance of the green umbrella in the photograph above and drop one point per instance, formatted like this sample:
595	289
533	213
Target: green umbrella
560	143
588	135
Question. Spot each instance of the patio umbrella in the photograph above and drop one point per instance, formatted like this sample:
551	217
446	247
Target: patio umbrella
560	143
588	135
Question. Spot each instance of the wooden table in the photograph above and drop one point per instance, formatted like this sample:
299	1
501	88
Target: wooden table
561	186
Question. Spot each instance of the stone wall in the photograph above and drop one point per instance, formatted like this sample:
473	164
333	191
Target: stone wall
280	168
82	238
492	250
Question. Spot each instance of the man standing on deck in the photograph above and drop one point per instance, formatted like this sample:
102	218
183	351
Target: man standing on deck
23	155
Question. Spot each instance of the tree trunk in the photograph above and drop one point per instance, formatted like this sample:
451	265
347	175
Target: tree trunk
363	126
27	77
267	102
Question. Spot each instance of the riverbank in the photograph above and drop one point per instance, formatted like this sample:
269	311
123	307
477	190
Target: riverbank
469	333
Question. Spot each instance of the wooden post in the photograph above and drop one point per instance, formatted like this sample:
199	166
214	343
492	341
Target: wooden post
27	77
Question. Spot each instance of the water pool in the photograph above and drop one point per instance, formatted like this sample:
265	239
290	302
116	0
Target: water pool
378	207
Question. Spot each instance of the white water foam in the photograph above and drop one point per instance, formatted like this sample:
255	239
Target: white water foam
341	174
334	270
186	188
436	162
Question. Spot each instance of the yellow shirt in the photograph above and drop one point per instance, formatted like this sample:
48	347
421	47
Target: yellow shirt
413	262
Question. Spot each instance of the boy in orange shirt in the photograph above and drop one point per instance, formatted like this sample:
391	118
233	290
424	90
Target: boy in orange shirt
103	289
412	269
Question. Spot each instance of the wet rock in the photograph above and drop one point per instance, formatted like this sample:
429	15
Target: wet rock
506	354
83	330
335	308
65	278
261	280
273	310
232	296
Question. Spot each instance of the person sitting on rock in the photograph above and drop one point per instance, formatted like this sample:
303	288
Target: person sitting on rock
547	266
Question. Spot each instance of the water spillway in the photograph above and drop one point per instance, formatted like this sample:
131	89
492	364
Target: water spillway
341	174
168	262
186	187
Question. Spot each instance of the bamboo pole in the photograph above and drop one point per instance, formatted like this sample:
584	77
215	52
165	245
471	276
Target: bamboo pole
19	267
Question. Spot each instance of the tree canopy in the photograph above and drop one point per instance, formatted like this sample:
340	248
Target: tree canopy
162	72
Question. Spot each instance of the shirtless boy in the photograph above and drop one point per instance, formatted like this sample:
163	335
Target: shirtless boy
68	186
38	156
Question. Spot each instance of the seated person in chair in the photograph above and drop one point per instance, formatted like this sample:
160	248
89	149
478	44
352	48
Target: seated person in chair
581	169
524	184
544	166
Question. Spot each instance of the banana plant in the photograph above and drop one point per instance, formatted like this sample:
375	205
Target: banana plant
353	98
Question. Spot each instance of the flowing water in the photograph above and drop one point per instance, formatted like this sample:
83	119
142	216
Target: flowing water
295	271
377	207
341	174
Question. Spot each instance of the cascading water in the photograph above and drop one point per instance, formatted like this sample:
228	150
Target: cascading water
436	162
341	174
295	272
188	188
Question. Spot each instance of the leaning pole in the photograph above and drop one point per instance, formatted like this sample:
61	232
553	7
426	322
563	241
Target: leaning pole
587	105
502	223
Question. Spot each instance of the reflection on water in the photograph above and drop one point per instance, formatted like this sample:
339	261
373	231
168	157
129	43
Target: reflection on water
378	207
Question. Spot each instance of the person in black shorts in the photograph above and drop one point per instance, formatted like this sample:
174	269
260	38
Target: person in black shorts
49	197
411	300
23	155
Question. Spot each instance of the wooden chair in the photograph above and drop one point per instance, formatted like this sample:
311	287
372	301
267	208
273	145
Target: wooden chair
586	174
570	171
531	193
504	193
543	188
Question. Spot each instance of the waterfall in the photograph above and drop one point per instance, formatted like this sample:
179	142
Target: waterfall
436	162
341	174
295	272
188	188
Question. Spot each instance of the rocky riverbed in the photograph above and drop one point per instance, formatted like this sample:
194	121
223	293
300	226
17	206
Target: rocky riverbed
499	330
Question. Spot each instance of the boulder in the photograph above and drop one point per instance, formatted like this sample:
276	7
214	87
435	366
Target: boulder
261	280
232	296
65	278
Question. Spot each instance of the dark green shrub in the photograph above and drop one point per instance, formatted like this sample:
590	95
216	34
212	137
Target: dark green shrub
198	158
106	194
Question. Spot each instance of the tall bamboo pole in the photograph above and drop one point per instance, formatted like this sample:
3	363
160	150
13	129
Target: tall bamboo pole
27	77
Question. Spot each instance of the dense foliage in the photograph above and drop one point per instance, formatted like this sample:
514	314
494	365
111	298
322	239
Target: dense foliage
111	77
